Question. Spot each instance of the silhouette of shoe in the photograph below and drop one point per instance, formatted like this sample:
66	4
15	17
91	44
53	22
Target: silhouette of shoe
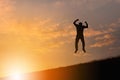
84	50
76	51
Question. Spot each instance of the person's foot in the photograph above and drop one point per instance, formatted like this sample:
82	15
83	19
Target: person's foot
76	50
84	50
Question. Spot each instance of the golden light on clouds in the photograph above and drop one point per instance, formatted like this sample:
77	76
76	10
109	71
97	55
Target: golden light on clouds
22	39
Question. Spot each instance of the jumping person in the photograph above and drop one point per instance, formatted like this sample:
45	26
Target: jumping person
80	29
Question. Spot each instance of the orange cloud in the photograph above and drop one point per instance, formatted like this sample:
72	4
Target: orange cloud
103	40
106	36
92	32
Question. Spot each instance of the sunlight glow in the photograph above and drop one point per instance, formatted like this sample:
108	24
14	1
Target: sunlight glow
16	64
16	77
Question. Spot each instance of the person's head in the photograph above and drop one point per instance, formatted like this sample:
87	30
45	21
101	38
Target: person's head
80	23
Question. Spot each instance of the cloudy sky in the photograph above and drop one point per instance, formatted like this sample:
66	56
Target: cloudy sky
38	34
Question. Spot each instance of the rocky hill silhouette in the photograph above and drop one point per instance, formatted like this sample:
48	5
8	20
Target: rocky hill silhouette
97	70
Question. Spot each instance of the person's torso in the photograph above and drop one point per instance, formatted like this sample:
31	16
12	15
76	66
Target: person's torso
80	30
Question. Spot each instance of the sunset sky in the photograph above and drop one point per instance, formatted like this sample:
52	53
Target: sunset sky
39	34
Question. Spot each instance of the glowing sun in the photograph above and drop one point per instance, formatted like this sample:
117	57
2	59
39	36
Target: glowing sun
16	76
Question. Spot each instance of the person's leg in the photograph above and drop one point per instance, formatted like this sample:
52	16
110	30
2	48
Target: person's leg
76	44
83	44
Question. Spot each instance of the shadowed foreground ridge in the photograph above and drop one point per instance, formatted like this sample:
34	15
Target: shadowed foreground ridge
97	70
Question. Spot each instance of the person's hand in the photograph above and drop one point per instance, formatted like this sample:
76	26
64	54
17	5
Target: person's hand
77	19
85	21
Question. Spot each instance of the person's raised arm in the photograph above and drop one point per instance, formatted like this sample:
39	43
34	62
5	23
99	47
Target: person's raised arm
86	24
75	22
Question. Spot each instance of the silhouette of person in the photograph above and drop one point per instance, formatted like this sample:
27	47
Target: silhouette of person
80	29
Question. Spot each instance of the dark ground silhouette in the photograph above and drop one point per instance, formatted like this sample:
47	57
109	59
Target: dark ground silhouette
97	70
80	34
